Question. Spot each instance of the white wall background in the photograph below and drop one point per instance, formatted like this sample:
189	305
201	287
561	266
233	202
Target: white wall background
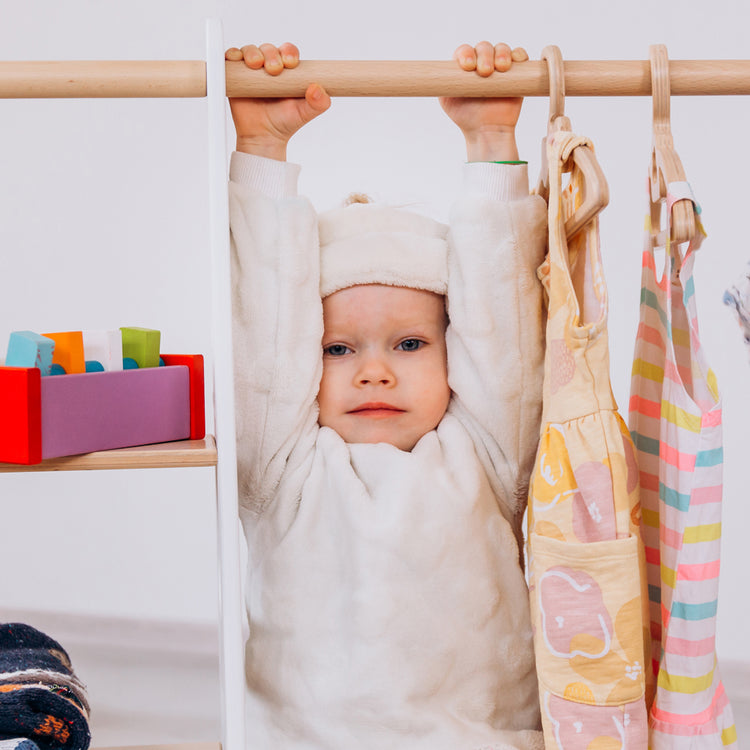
103	222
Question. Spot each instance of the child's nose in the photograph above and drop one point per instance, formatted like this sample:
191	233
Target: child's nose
375	371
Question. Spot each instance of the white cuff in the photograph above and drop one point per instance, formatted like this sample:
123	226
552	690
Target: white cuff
274	178
504	182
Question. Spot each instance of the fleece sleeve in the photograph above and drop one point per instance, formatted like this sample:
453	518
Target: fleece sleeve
277	321
496	336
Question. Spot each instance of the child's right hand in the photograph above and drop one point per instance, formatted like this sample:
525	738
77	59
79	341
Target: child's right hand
264	126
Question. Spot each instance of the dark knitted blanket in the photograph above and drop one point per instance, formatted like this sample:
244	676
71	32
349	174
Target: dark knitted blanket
41	698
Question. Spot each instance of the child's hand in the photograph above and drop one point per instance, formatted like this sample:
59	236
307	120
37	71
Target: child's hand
488	125
264	126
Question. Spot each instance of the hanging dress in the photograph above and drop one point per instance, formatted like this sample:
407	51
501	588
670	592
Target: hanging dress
675	421
586	566
737	297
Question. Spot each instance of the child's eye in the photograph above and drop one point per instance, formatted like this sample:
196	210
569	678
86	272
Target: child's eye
336	350
410	345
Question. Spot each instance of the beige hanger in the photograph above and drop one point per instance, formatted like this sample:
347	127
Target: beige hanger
596	190
666	176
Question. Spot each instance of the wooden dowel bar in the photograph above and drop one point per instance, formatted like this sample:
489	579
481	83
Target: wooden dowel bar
187	78
95	79
443	78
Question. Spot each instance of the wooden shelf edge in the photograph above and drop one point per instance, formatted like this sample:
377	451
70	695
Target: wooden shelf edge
179	454
175	746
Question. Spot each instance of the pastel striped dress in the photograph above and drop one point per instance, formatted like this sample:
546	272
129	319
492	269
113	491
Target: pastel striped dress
675	422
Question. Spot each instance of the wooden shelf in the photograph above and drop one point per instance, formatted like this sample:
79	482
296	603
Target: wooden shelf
176	746
180	454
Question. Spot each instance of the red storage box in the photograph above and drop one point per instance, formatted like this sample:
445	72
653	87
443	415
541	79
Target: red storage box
64	415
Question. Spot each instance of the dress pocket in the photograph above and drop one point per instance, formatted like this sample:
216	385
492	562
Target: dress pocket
586	613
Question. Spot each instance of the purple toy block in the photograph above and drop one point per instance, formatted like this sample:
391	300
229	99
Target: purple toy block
104	410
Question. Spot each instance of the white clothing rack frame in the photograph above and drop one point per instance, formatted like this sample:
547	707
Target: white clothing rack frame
190	453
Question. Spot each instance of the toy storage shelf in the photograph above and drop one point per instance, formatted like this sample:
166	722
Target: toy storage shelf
177	455
202	79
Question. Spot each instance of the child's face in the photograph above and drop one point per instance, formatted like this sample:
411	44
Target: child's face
385	376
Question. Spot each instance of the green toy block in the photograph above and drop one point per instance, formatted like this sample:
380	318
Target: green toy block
141	345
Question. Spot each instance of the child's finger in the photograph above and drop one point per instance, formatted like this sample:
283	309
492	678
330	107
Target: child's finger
289	55
271	59
503	59
485	58
466	57
234	54
317	98
253	56
519	54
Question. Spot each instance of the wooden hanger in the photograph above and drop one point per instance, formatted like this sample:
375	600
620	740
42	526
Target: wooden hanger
666	176
596	190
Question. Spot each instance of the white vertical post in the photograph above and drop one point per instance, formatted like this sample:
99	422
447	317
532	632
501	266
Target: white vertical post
230	586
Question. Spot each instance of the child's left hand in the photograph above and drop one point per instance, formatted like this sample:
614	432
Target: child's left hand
488	124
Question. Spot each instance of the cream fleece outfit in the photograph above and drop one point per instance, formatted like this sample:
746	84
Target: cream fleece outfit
386	603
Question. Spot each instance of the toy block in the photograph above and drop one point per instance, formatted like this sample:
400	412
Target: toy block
128	363
68	351
93	365
105	410
142	345
194	363
104	347
20	415
29	349
56	369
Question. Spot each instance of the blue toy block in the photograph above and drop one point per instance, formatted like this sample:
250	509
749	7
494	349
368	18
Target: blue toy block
128	363
93	366
57	369
29	349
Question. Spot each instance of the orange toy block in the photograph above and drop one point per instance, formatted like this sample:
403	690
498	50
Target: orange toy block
68	351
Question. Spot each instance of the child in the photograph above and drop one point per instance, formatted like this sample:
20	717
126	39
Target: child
388	376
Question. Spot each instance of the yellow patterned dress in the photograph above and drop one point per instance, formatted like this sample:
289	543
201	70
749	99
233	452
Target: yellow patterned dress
586	565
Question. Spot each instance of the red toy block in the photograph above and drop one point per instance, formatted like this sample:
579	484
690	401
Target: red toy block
194	363
20	415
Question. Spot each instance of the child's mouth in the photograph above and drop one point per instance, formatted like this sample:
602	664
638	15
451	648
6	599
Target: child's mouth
376	409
